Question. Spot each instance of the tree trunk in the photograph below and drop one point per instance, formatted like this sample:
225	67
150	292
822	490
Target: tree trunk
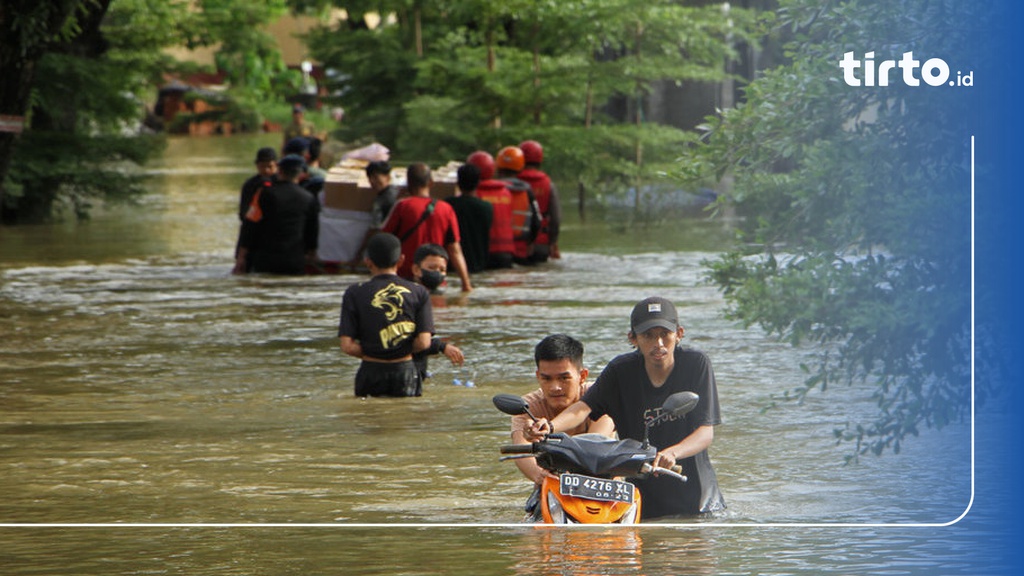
418	31
537	104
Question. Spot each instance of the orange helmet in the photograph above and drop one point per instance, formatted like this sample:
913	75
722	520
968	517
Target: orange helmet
532	151
511	158
484	162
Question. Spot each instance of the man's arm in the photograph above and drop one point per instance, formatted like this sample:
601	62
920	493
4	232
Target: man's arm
351	346
528	466
240	260
459	263
421	343
570	418
603	426
698	441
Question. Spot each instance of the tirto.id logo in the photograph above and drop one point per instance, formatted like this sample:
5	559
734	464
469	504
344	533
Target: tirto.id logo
934	71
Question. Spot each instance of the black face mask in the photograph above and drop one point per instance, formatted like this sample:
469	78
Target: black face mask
431	279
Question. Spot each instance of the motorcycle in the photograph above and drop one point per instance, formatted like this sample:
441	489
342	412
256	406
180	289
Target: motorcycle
592	472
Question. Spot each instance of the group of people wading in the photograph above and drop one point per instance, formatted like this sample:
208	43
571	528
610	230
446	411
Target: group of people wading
505	211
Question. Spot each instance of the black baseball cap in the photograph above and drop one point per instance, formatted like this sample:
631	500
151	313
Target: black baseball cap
292	162
297	145
266	155
653	312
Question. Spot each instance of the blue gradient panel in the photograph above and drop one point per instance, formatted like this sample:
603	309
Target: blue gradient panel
994	522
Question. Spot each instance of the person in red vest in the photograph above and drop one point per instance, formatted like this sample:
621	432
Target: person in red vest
419	219
501	244
546	244
525	212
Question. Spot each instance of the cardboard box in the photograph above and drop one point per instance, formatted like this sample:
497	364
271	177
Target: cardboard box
347	188
445	180
346	191
442	190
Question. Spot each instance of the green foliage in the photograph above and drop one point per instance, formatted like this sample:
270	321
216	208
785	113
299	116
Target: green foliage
493	73
85	102
84	140
58	171
857	231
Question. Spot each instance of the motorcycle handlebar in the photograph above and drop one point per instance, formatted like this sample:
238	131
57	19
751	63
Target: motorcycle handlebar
517	449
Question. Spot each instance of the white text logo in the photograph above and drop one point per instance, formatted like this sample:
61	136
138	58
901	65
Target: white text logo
934	71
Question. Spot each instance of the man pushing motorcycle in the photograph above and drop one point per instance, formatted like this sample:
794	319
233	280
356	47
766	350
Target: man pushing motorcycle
632	389
563	380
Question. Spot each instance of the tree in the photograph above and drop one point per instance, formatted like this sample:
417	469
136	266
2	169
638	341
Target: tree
28	29
75	103
446	78
246	52
76	71
857	234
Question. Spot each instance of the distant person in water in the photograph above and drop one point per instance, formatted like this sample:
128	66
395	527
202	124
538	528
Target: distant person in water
281	226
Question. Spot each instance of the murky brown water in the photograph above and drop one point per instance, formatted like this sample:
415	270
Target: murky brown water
141	383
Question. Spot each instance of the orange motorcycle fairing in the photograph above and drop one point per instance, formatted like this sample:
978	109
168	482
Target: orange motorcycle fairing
557	508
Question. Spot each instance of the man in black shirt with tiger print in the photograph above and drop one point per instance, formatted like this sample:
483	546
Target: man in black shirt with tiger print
384	321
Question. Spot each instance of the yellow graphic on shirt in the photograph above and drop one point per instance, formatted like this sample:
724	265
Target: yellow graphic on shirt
390	299
395	334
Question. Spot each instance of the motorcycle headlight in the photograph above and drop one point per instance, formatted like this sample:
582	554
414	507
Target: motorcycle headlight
555	508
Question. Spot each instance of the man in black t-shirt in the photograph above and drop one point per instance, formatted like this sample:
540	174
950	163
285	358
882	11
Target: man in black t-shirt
384	321
632	389
281	226
266	172
475	216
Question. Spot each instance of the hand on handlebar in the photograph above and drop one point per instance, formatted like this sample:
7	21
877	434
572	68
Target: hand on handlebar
537	430
675	471
664	460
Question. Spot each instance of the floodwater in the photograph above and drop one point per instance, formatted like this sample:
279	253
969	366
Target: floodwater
158	415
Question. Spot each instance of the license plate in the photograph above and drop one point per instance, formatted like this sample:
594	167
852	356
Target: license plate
595	488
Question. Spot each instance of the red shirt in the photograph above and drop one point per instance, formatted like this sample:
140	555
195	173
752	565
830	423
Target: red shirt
441	227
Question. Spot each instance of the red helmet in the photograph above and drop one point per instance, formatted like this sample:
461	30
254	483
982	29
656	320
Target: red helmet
511	158
532	151
484	162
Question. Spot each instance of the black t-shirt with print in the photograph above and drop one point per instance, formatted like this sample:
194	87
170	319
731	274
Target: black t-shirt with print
384	314
624	391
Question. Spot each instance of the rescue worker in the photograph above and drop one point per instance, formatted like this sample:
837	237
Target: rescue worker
501	243
546	244
525	212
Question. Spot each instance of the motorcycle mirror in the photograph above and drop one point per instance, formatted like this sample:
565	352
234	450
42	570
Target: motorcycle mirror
675	405
680	403
510	404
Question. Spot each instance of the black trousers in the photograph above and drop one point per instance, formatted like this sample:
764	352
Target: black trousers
398	379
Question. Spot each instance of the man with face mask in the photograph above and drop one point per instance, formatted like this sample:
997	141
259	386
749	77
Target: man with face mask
429	268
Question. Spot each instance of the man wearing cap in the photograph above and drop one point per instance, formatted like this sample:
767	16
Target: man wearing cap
266	169
266	172
281	226
633	387
299	127
384	321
